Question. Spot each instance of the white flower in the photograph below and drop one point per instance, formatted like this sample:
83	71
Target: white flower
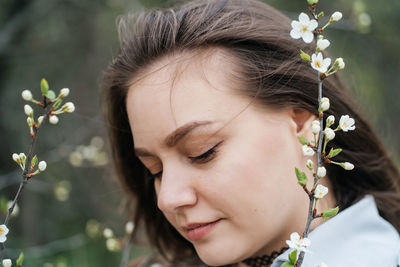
42	165
40	119
7	263
321	172
319	63
330	120
307	151
53	119
325	104
336	16
322	44
16	158
129	226
310	164
28	110
64	92
322	265
329	134
68	107
108	233
347	166
340	63
346	123
320	191
26	95
303	28
315	127
3	233
296	242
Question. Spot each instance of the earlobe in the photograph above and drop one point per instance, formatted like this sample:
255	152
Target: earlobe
302	118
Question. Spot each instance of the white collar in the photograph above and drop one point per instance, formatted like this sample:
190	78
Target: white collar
357	236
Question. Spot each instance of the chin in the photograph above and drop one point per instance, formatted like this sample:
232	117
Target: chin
219	255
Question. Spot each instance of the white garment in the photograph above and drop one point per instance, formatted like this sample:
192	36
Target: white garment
356	237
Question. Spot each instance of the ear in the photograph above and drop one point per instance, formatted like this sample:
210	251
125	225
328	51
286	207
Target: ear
302	119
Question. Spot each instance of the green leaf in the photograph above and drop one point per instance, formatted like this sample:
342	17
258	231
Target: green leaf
293	257
287	264
57	104
305	56
334	152
301	177
20	259
44	86
311	2
34	161
321	14
303	140
50	94
330	213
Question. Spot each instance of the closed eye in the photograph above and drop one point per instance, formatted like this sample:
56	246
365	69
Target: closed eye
201	159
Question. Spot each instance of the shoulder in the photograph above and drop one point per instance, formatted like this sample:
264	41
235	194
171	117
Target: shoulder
156	260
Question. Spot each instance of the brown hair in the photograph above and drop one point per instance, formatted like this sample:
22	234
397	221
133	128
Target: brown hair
257	36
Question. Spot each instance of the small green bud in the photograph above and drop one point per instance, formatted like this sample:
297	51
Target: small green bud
50	94
44	86
312	2
321	14
305	56
34	161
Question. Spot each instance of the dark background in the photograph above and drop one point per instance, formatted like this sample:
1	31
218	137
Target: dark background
70	42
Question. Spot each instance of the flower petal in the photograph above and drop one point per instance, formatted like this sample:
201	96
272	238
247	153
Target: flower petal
308	37
312	25
303	18
295	34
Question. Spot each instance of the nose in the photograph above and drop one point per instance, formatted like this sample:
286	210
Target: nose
175	191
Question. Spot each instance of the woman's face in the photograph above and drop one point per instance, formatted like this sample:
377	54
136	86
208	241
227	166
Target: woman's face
225	169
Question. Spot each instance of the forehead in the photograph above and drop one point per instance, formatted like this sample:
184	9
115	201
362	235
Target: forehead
179	89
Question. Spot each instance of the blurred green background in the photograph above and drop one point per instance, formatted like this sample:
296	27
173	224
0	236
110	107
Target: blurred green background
69	42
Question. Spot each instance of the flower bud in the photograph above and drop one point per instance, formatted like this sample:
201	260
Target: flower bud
321	172
320	191
325	103
315	127
108	233
312	2
347	166
310	164
63	92
129	226
339	63
22	157
28	110
53	119
68	107
16	158
330	120
336	16
322	44
29	120
40	119
329	134
307	151
26	95
7	263
42	165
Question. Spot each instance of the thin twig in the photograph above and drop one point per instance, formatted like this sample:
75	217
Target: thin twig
311	212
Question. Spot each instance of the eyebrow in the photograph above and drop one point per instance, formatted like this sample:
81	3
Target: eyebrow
177	135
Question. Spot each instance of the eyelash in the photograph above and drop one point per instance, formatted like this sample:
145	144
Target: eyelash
201	159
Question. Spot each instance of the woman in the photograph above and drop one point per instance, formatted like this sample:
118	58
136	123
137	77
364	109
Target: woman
206	102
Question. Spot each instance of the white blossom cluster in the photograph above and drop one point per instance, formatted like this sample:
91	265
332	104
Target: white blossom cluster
305	28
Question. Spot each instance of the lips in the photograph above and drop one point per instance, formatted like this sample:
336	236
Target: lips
197	231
